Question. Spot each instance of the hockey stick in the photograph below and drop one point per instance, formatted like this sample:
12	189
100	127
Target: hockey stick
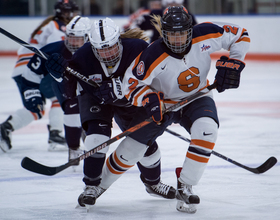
45	56
269	163
36	167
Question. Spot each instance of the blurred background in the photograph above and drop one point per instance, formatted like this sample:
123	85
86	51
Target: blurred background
126	7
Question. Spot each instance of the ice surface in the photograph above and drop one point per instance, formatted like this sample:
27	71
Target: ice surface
249	133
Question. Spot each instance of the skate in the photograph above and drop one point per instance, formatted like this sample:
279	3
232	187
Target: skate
159	190
187	200
6	130
88	197
56	142
73	154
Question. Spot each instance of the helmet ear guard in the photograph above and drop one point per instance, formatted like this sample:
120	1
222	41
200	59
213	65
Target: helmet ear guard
105	41
177	21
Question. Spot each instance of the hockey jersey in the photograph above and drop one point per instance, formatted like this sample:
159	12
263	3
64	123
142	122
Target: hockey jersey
51	32
85	62
179	76
36	67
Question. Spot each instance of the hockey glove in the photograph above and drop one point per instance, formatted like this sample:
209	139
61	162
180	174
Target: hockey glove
153	103
56	66
33	99
228	74
109	91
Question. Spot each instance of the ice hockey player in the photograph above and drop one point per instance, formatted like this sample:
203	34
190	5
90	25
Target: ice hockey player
104	60
77	33
172	68
50	30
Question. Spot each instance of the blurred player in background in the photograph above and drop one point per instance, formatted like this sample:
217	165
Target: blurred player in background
77	33
50	30
142	17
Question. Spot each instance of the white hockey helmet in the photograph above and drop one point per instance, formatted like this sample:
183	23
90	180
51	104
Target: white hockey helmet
77	33
106	42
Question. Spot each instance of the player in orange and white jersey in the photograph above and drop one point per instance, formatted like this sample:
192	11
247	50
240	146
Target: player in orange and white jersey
174	67
50	30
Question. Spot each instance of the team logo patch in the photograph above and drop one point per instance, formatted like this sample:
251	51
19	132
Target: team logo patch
205	47
95	109
140	68
96	78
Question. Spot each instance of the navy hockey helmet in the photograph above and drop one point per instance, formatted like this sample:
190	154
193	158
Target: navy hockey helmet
176	26
64	10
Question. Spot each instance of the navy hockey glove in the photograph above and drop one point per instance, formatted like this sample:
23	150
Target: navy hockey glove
228	74
109	91
33	99
153	103
56	66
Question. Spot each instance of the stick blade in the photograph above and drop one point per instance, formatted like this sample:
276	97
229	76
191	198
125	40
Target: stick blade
35	167
269	163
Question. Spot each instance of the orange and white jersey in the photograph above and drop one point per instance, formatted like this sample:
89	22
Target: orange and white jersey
51	32
179	76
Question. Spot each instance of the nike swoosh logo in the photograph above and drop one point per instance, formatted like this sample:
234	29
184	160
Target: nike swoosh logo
162	68
102	125
71	106
205	134
123	158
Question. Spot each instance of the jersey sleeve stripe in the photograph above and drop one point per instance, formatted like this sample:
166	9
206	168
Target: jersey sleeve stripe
22	63
136	61
205	37
155	64
139	94
244	37
56	25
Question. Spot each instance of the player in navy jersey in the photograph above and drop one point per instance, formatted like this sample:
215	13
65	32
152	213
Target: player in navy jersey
77	33
104	60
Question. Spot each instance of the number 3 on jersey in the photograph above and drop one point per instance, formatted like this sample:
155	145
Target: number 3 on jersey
189	79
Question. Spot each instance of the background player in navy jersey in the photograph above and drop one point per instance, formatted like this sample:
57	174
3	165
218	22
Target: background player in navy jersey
105	60
77	33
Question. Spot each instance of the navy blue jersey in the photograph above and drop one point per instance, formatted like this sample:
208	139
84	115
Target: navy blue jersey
37	63
85	62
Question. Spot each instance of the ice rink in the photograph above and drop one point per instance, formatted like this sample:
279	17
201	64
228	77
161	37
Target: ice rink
249	133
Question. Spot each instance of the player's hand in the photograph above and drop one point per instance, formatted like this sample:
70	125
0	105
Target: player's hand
56	66
33	99
153	103
109	91
228	74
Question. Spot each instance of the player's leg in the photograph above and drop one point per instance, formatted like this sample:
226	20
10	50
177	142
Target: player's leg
201	121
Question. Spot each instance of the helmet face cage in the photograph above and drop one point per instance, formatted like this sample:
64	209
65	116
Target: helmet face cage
105	41
77	33
176	25
109	55
177	41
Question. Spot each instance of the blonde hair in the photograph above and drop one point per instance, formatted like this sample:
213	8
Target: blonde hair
46	21
157	23
134	33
